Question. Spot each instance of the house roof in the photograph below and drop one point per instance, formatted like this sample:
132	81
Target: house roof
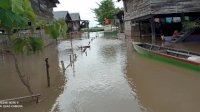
55	1
52	3
59	14
75	16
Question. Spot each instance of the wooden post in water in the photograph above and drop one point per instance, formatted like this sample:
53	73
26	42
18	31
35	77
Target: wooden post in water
81	48
182	20
2	55
74	56
63	65
70	58
47	69
153	32
140	30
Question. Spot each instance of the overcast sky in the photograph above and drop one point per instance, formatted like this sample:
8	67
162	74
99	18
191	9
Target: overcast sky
83	7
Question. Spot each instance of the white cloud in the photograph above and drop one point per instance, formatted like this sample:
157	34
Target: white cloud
83	7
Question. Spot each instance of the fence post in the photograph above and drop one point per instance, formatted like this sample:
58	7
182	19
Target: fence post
70	58
47	69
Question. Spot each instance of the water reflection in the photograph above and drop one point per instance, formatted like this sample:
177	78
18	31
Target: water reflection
99	82
33	67
164	87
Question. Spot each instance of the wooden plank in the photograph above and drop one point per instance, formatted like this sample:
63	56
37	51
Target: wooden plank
24	97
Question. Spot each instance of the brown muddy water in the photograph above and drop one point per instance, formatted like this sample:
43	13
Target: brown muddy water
97	82
112	77
164	87
34	67
108	77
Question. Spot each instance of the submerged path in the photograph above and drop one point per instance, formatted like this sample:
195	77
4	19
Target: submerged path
97	82
111	77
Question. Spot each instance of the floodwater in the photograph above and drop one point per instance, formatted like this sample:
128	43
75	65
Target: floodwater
164	87
97	81
112	77
108	77
33	68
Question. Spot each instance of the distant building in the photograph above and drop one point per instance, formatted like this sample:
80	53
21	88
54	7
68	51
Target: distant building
72	19
60	14
64	15
75	21
159	17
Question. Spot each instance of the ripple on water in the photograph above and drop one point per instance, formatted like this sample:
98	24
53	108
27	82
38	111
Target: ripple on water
98	83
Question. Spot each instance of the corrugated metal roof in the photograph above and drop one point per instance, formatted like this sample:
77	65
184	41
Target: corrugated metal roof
75	16
59	14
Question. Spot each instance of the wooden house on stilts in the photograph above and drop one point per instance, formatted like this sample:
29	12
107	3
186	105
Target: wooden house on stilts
150	19
72	19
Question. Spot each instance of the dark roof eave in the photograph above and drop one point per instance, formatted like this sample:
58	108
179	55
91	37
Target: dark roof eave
77	20
56	1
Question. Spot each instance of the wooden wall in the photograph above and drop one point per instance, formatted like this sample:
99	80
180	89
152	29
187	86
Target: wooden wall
127	29
139	8
136	8
174	6
43	8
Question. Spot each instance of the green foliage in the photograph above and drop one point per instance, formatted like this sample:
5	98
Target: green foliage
64	30
36	43
63	26
28	11
7	19
27	44
40	23
15	14
53	30
189	24
106	9
17	6
57	28
5	4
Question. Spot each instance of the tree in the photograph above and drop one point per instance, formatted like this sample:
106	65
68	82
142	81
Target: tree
57	28
15	15
106	9
14	18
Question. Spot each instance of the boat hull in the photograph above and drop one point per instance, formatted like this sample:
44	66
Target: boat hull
166	58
